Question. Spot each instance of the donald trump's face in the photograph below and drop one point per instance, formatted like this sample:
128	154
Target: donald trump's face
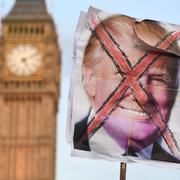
129	124
131	80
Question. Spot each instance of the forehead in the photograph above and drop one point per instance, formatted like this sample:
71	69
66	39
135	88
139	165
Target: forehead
164	63
129	46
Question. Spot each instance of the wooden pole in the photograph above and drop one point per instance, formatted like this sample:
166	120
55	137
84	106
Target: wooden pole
123	171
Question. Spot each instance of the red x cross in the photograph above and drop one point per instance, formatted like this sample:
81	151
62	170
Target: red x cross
131	77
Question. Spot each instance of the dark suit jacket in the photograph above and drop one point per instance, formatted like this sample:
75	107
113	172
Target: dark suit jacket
158	153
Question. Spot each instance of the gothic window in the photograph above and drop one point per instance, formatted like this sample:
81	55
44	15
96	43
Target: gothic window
32	30
20	29
15	29
10	29
42	30
37	30
26	30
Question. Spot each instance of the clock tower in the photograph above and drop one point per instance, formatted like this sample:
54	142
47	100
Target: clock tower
29	92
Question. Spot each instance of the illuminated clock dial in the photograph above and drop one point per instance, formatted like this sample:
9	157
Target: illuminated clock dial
24	60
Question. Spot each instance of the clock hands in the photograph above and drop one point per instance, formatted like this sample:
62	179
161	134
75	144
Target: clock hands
32	55
24	60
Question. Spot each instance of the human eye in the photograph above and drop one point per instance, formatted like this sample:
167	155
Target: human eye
117	75
160	80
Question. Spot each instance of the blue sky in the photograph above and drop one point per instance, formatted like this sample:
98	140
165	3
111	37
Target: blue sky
66	13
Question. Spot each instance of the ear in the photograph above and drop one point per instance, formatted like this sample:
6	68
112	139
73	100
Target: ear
89	80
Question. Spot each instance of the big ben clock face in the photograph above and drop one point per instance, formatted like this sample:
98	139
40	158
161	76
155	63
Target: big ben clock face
24	60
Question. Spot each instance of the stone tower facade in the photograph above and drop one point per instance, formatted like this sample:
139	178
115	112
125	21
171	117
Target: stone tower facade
29	92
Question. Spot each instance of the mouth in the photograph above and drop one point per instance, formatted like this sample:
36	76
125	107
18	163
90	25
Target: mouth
135	113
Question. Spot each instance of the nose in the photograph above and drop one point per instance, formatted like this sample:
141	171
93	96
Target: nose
149	101
141	92
144	80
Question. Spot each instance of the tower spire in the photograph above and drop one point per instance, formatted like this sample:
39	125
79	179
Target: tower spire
28	10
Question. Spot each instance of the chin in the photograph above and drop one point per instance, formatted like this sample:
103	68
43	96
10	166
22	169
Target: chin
132	133
138	143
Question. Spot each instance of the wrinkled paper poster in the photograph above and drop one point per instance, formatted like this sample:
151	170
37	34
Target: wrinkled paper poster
124	101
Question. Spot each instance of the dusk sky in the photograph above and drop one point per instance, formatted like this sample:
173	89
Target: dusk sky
66	14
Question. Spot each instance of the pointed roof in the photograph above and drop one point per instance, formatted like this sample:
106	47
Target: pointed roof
24	10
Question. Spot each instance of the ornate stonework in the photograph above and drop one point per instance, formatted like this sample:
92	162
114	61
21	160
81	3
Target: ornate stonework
29	104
